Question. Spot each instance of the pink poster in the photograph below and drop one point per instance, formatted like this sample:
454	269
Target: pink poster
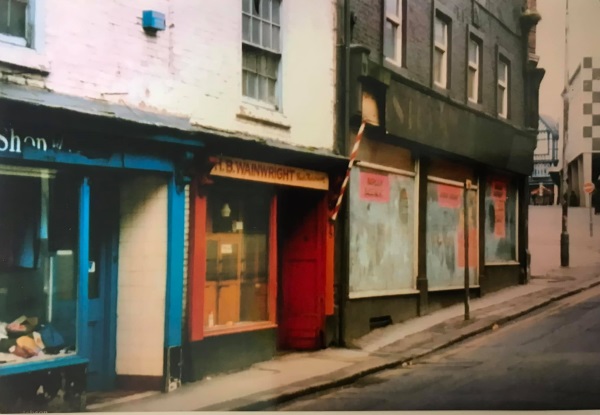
374	187
498	189
449	196
500	218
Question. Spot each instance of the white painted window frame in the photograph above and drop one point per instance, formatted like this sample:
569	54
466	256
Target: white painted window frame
396	20
474	66
30	23
503	112
277	105
443	48
29	54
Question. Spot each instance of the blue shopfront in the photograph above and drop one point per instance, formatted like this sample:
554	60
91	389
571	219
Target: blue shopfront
91	256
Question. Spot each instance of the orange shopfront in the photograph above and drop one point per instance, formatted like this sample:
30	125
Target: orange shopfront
261	264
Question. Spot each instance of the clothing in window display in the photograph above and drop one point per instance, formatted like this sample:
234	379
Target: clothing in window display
25	338
38	274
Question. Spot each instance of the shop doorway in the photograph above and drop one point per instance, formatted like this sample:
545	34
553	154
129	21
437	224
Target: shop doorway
102	278
302	219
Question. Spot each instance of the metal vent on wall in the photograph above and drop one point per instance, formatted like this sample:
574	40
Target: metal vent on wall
379	322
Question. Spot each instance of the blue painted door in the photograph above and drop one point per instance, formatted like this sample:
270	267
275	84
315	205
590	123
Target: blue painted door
102	285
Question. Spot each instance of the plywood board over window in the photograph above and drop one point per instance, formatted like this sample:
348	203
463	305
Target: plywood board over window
377	152
445	238
382	233
451	171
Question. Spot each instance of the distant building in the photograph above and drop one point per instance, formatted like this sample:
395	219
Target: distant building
542	189
583	139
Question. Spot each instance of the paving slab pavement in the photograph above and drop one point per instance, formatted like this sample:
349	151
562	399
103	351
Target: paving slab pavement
298	374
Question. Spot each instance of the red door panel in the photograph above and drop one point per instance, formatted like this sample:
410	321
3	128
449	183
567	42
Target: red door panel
303	274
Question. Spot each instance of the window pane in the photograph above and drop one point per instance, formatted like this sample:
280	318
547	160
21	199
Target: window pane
252	85
275	35
256	31
437	66
249	59
262	89
13	18
272	66
472	84
266	35
246	6
275	11
272	92
501	101
4	16
244	83
265	9
473	52
246	23
389	40
391	7
440	31
502	71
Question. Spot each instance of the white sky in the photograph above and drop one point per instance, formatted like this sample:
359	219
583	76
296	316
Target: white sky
584	40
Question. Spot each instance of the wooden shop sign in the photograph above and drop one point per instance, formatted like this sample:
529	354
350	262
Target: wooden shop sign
270	173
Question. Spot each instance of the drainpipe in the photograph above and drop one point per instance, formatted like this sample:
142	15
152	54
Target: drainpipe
343	148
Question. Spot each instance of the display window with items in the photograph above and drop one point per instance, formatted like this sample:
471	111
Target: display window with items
38	264
238	237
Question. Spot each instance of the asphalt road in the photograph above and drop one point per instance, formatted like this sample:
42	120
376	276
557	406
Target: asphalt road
546	361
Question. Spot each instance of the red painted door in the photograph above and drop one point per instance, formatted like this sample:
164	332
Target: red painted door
302	269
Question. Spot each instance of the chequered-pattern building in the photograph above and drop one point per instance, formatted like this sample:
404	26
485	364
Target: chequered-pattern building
583	141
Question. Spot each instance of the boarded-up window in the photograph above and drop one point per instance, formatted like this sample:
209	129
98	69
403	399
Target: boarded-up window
500	221
445	236
382	228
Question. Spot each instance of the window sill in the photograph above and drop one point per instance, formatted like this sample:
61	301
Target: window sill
511	262
240	328
24	58
255	112
45	364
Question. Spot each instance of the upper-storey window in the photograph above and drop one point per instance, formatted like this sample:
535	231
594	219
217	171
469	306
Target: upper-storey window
503	86
474	69
392	31
14	21
261	50
440	52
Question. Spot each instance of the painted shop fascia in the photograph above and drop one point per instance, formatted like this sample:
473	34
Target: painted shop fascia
76	179
270	222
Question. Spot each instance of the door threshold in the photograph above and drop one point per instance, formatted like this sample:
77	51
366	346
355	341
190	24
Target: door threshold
99	400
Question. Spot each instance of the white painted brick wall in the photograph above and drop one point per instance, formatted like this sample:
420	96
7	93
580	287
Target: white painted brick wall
97	49
142	276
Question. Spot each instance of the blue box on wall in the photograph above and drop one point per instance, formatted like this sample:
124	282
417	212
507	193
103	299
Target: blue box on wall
153	20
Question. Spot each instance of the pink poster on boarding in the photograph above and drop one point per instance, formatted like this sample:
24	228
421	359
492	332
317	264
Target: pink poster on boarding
449	196
374	187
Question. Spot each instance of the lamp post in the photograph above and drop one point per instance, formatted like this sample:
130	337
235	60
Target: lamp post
564	236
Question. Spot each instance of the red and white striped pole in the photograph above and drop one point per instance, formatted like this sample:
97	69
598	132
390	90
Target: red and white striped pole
347	178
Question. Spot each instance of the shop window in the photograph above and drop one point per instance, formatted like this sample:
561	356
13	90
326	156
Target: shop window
38	284
237	258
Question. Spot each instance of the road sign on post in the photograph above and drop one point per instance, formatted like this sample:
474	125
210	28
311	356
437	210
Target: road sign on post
589	188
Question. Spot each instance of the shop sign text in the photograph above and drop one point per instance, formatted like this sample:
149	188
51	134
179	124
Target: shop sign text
12	143
270	173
